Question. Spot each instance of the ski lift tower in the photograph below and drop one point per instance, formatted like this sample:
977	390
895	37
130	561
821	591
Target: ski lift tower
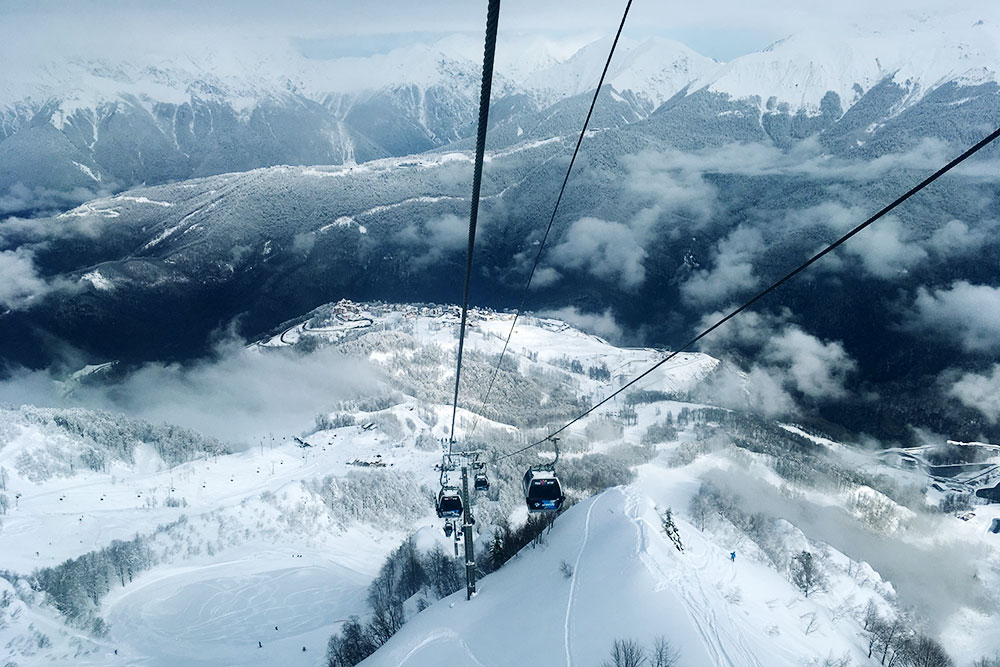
470	552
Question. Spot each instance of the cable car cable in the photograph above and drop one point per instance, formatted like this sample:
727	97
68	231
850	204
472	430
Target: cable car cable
802	267
555	209
489	50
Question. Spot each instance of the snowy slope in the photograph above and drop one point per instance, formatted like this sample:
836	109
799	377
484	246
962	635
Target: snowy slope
654	69
629	581
918	54
625	583
276	544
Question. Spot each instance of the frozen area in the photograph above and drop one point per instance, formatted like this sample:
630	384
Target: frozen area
917	53
920	51
218	613
265	549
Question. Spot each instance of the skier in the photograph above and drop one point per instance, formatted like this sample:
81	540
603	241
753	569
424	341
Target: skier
732	556
259	645
276	628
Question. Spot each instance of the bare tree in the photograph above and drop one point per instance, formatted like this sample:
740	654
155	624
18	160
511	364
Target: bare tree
700	508
627	653
812	623
922	651
663	655
870	616
889	634
806	573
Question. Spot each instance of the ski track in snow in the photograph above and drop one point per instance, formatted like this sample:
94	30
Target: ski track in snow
441	635
724	649
572	583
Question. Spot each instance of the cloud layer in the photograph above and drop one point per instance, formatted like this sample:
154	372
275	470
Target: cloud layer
965	314
237	395
980	392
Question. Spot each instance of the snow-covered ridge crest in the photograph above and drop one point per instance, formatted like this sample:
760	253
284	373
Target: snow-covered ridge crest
917	54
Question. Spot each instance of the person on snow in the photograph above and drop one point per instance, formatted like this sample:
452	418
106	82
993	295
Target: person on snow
732	556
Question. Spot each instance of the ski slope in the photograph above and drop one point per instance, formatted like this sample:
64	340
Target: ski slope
629	581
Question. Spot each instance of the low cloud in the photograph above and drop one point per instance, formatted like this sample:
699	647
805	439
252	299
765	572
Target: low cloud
980	392
20	283
815	368
611	251
19	198
956	238
806	157
732	271
36	232
237	395
670	185
784	361
759	390
436	238
601	324
886	249
964	313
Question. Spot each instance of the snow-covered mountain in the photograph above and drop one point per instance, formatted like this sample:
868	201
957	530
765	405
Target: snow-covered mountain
73	126
653	70
916	54
122	541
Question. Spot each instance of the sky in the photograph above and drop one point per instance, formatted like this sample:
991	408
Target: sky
722	29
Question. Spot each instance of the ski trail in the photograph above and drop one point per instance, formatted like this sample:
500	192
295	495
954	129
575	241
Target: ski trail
441	635
572	583
726	646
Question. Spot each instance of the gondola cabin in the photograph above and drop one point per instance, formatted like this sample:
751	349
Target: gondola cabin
482	482
542	491
449	503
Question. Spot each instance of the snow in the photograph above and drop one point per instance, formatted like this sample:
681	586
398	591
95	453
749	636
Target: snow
98	281
629	581
87	170
656	69
917	53
216	614
278	557
142	200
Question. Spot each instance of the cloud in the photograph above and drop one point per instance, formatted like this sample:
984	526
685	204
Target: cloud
545	276
886	249
236	395
436	238
964	313
42	200
35	232
601	324
980	392
812	367
783	358
758	390
957	238
732	272
607	250
20	283
671	185
805	158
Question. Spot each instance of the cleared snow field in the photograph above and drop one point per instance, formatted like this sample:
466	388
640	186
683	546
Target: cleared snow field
216	615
